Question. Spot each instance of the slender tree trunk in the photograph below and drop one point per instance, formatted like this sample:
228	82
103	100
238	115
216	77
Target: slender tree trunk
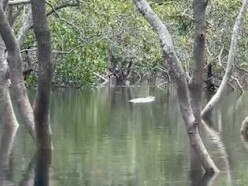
182	87
45	71
231	59
27	24
6	107
29	173
17	81
196	82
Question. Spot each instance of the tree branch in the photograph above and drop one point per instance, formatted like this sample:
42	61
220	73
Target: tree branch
28	23
238	84
196	82
65	5
18	2
219	56
230	62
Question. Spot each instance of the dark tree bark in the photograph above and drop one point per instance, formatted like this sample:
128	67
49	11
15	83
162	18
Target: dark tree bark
196	82
43	161
45	71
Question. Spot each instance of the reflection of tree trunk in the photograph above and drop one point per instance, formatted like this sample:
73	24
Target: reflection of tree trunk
6	149
244	132
28	177
202	179
121	94
43	163
208	116
195	164
244	138
244	127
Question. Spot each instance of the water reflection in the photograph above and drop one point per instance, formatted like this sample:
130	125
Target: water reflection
43	162
202	179
100	138
6	169
29	173
37	171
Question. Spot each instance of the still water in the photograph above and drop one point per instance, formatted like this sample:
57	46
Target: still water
100	138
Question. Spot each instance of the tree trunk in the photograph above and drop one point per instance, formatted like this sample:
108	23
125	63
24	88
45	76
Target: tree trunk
6	107
196	82
17	81
182	87
230	62
45	71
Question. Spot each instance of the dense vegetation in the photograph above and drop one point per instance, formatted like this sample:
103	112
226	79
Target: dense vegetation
99	38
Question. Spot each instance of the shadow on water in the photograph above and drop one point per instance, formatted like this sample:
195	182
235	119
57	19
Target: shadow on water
37	171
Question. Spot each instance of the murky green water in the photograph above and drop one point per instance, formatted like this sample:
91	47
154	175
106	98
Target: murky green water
101	139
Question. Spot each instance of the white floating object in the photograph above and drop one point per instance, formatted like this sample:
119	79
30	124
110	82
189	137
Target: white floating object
143	100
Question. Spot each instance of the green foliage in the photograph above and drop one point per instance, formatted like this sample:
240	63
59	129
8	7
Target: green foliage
31	80
104	33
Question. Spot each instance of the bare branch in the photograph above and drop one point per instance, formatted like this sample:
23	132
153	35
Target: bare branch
238	84
241	69
219	56
65	5
19	2
27	24
105	81
161	84
54	51
80	31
